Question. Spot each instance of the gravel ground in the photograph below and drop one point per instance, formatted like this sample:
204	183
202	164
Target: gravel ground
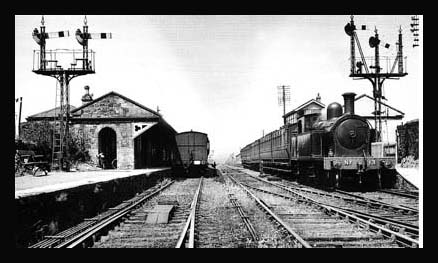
269	235
218	223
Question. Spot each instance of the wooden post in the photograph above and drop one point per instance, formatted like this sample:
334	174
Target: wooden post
19	117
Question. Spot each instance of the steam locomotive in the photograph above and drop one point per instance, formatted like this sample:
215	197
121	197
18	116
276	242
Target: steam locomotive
332	152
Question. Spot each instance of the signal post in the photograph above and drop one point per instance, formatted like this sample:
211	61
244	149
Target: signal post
47	63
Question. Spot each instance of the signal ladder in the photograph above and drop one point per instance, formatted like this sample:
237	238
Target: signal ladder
57	146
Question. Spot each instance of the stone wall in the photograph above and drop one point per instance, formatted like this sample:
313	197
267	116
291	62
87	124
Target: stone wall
408	140
40	133
36	132
113	106
125	147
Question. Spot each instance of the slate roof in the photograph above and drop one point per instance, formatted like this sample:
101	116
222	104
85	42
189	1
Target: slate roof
305	105
48	114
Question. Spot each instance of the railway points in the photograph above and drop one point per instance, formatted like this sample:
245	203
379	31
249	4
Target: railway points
385	236
382	207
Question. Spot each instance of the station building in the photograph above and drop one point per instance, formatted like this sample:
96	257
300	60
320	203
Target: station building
128	134
304	116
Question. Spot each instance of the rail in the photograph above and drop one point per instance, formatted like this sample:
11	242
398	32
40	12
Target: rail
77	235
244	217
299	240
189	227
382	204
357	199
403	227
413	196
400	238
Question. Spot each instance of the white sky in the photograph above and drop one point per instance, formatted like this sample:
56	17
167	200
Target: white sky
219	74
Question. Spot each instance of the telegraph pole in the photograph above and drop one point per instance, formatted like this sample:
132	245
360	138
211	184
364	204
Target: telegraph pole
283	98
19	115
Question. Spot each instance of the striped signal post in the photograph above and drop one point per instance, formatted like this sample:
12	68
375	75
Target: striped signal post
83	37
41	36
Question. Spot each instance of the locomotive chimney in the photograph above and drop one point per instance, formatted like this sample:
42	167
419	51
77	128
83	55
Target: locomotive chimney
349	102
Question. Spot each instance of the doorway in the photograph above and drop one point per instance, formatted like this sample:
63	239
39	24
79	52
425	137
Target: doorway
108	146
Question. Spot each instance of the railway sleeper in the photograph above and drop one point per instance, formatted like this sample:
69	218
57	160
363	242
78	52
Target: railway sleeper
356	244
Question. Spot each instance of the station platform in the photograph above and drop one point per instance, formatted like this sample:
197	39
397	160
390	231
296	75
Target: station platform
412	175
46	205
29	185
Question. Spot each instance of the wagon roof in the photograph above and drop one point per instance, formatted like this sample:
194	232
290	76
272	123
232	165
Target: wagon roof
191	132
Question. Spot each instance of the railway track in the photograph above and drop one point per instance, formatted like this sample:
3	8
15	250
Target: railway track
403	201
290	235
379	205
214	217
391	212
221	221
90	229
138	232
404	193
126	224
241	210
323	218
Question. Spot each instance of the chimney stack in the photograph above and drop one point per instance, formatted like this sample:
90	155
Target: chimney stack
87	96
349	102
318	98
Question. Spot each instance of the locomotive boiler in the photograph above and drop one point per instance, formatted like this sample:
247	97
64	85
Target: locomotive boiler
328	152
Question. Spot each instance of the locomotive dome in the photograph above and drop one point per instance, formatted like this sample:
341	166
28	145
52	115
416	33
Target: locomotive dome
334	110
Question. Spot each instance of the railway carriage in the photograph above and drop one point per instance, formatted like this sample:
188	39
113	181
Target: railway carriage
321	151
194	148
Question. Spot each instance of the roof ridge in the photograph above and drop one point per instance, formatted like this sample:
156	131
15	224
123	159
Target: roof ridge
304	104
47	111
121	96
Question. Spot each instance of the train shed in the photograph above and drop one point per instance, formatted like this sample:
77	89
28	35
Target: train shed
128	134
